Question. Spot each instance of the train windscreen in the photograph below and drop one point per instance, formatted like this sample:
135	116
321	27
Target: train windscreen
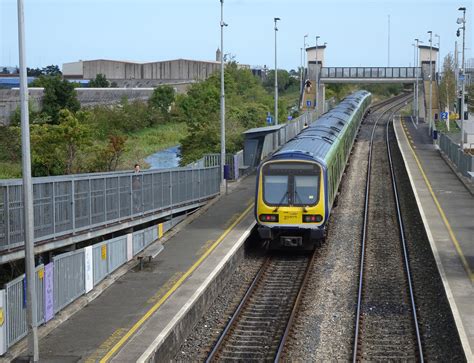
295	183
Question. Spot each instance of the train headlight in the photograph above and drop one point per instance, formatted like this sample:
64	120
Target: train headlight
268	217
312	218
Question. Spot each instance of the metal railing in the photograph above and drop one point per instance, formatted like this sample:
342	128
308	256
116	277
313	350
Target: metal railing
67	280
65	205
371	72
463	161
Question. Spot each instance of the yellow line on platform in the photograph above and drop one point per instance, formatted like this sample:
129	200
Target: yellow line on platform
441	212
178	283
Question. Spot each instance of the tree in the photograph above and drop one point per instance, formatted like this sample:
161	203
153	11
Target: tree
55	147
162	99
447	86
100	81
470	99
58	94
34	72
4	71
52	70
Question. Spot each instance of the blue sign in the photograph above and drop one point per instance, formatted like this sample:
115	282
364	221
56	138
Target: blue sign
269	120
461	77
444	115
308	103
290	118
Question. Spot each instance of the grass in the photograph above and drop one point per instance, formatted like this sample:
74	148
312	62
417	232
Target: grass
441	126
145	142
10	170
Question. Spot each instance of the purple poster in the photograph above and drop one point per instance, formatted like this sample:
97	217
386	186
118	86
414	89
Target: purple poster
48	292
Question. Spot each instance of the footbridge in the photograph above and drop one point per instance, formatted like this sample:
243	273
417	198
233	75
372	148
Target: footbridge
420	75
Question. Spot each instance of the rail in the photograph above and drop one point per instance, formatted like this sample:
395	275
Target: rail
371	72
265	313
364	239
66	205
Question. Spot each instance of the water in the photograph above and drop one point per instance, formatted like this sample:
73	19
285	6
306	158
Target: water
163	159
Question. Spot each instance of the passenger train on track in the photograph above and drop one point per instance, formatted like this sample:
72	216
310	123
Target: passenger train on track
297	185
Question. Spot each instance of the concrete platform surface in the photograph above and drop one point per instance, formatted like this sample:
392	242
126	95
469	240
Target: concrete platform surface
447	210
102	328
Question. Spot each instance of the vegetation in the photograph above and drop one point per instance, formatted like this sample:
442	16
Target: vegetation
100	81
67	139
380	91
447	86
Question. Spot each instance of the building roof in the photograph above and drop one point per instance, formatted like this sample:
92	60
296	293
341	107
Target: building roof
428	47
314	47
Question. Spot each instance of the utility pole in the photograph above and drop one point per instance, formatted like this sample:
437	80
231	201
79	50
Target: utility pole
463	90
33	350
222	97
301	71
417	99
430	119
316	104
388	48
276	73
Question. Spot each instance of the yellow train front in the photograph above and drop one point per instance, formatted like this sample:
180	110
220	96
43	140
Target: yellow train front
297	186
290	205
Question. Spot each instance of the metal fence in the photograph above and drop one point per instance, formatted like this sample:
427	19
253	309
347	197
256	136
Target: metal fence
370	72
68	279
70	204
463	161
16	306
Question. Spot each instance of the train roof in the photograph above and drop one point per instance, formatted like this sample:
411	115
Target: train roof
325	130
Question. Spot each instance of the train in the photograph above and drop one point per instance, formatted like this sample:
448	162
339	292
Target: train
297	186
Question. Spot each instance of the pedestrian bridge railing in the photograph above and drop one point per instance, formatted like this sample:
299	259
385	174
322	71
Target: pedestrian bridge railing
370	72
71	204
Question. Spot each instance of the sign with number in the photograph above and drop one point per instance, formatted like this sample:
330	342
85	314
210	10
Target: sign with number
444	115
308	103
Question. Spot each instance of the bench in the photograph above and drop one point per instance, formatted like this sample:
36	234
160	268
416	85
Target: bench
149	253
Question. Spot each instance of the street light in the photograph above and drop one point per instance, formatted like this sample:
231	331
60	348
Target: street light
439	58
304	56
463	22
316	103
431	85
28	212
276	73
418	42
222	24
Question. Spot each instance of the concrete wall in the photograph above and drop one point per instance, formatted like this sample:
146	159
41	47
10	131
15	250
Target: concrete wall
180	69
73	69
10	98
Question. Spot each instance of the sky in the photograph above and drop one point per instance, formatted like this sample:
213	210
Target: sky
356	31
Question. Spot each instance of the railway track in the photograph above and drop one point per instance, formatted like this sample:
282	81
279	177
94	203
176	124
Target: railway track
386	326
260	324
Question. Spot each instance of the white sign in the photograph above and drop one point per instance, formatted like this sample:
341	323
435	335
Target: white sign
89	268
129	246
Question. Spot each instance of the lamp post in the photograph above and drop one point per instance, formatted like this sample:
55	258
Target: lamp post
304	55
430	119
222	24
316	103
418	42
28	216
301	70
276	73
414	83
463	21
439	47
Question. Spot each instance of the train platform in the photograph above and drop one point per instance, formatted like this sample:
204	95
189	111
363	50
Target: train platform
447	208
147	311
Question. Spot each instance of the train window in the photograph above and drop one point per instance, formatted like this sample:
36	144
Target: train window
275	190
306	189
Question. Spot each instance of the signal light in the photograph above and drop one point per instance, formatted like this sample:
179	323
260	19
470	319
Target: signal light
312	218
269	217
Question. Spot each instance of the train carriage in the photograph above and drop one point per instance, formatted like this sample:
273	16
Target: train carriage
297	186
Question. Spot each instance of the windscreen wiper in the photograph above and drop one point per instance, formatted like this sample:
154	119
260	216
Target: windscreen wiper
280	203
298	196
